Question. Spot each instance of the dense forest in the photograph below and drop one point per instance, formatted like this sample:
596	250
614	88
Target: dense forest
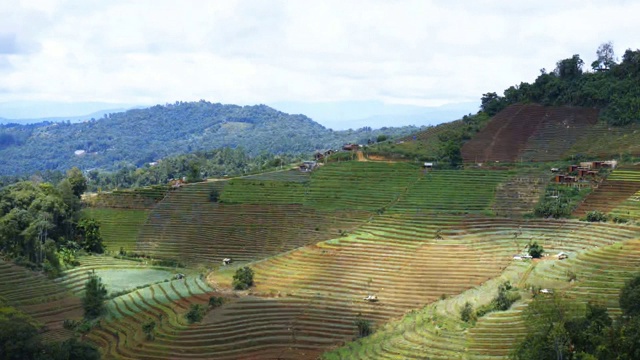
40	223
141	136
609	86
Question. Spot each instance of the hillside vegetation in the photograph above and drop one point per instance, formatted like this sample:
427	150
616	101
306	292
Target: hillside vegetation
372	254
140	136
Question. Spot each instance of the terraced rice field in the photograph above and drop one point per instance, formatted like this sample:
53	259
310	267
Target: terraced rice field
39	297
603	141
119	227
120	335
422	242
436	332
620	186
600	273
520	194
529	132
560	129
368	186
142	198
451	191
188	226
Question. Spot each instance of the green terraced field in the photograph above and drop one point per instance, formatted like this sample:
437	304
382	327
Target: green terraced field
119	227
423	242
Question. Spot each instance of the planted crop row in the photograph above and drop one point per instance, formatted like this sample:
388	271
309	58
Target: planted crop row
451	191
119	227
189	227
34	294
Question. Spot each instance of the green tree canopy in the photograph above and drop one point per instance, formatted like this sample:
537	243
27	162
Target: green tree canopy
95	294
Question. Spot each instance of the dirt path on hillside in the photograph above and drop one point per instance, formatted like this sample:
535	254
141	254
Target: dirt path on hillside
361	156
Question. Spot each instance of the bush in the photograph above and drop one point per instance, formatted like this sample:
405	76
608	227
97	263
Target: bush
70	324
467	314
596	216
619	220
364	327
94	295
216	301
243	278
630	297
148	328
195	314
536	250
382	138
507	295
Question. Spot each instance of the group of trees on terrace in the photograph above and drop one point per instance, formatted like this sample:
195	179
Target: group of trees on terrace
194	166
40	225
558	328
610	86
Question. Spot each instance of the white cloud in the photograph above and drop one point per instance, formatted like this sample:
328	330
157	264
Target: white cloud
410	52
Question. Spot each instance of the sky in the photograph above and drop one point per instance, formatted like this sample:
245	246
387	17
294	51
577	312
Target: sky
421	53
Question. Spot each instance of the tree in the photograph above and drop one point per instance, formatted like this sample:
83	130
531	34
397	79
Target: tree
243	278
216	301
491	103
148	328
89	237
17	335
596	216
536	250
547	337
569	69
363	326
94	295
606	58
77	180
466	313
196	313
630	297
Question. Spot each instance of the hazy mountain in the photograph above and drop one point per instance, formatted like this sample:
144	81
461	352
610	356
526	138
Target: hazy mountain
355	114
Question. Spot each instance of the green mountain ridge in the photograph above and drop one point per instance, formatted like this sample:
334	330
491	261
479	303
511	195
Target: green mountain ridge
139	136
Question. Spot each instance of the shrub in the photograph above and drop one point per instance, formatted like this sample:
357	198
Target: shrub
596	216
148	328
94	295
363	326
630	297
214	195
619	220
243	278
70	324
216	301
467	314
536	250
195	314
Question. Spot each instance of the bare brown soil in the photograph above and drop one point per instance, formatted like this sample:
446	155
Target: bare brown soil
531	128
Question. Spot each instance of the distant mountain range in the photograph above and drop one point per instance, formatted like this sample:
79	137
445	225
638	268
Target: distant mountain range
337	115
138	136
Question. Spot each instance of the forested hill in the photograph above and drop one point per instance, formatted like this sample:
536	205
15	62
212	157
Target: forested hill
139	136
612	87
